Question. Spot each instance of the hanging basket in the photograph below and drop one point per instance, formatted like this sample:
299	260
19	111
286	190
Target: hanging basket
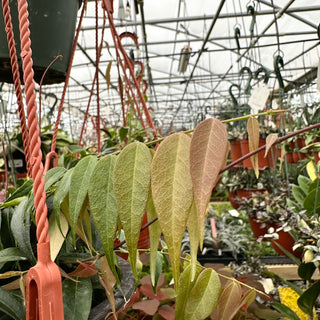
52	28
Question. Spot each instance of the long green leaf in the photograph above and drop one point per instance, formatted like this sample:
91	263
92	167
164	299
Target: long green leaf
61	193
193	230
285	311
307	300
298	194
77	297
304	183
11	305
11	254
154	234
20	227
185	286
103	205
20	192
80	179
204	296
52	176
132	174
208	148
172	192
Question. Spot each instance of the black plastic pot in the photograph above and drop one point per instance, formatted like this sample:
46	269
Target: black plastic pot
52	28
127	284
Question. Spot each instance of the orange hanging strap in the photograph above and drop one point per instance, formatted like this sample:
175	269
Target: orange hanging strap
108	6
55	132
93	84
44	289
16	80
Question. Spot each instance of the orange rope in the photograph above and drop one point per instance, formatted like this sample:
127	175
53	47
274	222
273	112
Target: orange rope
93	83
129	65
97	82
55	133
35	143
16	80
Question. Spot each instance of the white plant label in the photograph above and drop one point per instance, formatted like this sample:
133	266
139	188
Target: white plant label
258	98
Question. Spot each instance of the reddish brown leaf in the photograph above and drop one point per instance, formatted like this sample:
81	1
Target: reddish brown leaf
147	291
149	307
166	312
270	141
208	148
84	270
108	281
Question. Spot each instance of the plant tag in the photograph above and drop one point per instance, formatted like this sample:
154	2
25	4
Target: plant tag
318	79
258	98
274	105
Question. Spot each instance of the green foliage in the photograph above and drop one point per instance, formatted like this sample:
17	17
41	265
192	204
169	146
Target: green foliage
103	205
20	227
79	185
307	300
77	297
12	305
285	311
132	174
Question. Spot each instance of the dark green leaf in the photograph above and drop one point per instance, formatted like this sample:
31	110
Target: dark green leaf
20	226
52	176
61	192
80	179
285	311
306	270
77	298
158	269
123	133
103	206
310	201
11	254
74	148
308	298
298	194
11	305
20	192
304	183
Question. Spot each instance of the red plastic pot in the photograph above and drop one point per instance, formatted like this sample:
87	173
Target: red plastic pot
285	240
235	151
235	197
259	229
143	242
264	162
296	155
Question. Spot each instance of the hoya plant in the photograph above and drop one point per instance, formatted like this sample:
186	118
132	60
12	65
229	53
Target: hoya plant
89	202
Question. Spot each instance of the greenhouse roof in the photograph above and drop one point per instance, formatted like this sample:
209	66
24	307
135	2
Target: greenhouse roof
219	39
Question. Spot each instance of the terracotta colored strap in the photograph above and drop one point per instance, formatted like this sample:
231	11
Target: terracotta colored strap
34	132
16	80
55	132
93	82
128	64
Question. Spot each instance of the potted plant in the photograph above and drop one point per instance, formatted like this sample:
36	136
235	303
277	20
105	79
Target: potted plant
225	239
267	213
52	25
88	201
241	183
